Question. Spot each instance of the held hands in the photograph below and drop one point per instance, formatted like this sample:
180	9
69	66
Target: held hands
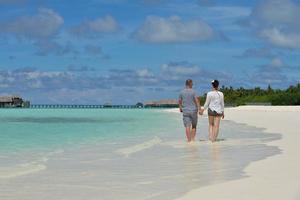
201	111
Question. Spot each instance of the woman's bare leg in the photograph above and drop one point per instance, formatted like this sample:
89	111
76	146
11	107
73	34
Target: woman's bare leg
216	127
211	127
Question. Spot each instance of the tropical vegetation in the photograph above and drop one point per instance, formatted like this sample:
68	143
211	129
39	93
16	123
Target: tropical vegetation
257	95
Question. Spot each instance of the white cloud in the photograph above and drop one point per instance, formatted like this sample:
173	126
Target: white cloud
264	52
92	28
123	84
144	73
173	29
106	24
275	12
277	22
275	72
45	24
276	62
280	38
177	70
46	47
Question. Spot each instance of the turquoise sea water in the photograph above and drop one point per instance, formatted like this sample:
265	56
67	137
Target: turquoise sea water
140	154
26	129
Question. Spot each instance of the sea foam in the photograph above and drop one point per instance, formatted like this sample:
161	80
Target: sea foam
21	170
139	147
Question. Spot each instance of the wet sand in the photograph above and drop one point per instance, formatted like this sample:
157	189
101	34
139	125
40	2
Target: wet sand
276	177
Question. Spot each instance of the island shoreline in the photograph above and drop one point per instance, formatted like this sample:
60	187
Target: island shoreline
270	178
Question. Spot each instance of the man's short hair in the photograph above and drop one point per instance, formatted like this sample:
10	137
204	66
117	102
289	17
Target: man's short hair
189	82
215	83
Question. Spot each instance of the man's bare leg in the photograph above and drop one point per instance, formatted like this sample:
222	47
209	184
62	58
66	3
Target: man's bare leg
193	134
188	133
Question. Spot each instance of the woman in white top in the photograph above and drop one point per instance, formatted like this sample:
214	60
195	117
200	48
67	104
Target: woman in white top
215	105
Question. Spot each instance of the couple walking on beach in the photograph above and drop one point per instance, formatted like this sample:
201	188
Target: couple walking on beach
189	105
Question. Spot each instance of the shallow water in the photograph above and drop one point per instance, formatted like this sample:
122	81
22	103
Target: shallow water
118	154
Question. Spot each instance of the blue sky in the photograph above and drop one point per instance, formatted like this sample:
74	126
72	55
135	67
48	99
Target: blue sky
125	51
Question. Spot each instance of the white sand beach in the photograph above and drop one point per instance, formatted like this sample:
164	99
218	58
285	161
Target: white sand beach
277	177
256	158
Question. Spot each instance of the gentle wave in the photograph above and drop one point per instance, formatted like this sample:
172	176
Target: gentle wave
21	170
178	144
27	168
139	147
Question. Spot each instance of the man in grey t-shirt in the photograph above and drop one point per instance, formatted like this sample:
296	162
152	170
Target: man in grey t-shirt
189	105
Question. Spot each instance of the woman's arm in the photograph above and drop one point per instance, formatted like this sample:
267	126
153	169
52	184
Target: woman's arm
207	102
222	105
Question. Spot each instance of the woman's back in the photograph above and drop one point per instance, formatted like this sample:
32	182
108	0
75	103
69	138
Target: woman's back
215	101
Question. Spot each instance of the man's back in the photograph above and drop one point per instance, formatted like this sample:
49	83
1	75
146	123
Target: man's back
187	96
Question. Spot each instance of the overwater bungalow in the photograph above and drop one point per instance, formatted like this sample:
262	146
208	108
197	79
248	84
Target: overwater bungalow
139	105
13	102
164	103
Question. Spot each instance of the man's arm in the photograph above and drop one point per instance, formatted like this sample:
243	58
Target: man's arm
197	101
180	102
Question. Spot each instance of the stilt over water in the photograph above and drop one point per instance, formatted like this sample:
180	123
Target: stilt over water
83	106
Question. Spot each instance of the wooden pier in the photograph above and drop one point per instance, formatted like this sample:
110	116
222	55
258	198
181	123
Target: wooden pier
64	106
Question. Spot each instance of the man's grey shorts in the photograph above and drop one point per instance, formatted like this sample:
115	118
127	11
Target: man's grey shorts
190	119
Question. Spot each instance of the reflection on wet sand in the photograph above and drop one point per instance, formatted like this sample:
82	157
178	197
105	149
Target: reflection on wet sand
216	162
203	166
192	165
